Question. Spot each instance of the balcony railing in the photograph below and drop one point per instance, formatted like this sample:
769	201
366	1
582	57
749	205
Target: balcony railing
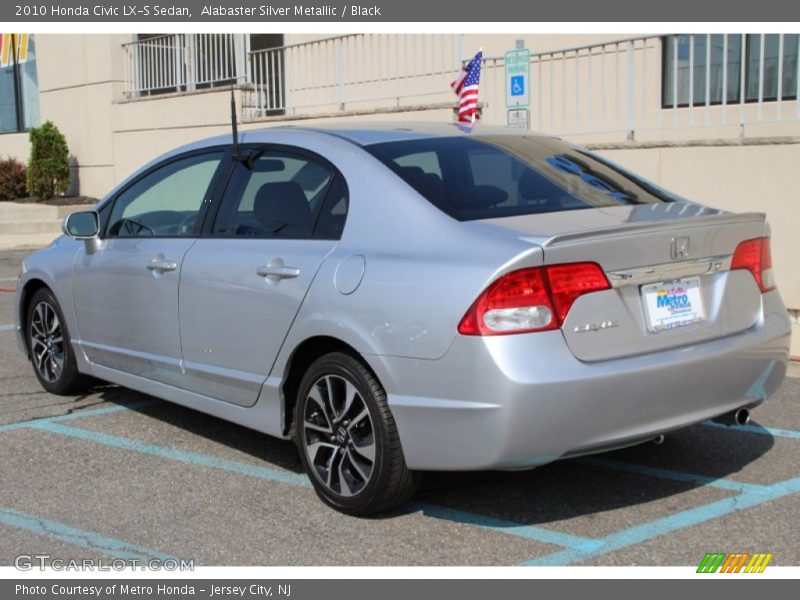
184	62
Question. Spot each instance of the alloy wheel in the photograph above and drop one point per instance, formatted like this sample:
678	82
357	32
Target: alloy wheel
338	436
47	342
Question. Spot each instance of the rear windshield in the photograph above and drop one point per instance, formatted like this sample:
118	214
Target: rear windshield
484	177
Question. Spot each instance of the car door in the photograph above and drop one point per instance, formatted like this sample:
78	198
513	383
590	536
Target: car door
242	284
126	288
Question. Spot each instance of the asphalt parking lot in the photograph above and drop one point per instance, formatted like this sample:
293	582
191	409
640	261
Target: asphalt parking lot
116	473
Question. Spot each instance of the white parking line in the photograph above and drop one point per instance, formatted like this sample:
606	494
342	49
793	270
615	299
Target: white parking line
7	328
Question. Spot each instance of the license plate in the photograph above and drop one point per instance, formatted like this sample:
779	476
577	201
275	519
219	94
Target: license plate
673	304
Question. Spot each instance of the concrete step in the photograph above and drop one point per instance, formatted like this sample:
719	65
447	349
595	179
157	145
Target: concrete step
12	212
23	227
26	241
28	226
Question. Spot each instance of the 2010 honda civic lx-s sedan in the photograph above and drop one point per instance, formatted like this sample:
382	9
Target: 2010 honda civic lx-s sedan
399	299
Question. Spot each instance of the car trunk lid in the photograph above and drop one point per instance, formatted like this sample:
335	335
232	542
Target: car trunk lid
669	266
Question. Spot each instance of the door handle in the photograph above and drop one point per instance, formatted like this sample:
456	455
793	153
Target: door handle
161	265
277	272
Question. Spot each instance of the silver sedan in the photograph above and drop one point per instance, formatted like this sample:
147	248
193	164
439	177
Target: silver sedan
398	299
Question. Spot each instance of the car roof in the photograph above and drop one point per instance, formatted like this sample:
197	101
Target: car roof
367	133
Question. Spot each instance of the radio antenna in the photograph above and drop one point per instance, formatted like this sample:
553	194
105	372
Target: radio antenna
234	127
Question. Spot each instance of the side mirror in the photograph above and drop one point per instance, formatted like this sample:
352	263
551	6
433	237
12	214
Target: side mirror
83	225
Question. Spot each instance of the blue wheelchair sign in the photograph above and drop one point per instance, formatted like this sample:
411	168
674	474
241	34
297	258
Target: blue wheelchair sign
518	85
517	75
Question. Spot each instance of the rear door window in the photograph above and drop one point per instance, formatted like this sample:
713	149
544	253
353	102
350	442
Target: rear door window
280	194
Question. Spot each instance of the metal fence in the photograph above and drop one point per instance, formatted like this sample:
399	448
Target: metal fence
184	62
634	84
353	71
653	83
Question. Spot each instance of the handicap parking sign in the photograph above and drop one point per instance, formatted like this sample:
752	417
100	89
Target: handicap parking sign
518	85
517	72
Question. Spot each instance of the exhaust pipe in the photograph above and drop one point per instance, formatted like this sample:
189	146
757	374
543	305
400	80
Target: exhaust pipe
739	416
658	440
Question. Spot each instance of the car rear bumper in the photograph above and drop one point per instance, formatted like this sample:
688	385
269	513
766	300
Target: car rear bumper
519	401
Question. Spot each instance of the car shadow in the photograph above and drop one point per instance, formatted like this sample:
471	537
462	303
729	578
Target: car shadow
688	459
273	451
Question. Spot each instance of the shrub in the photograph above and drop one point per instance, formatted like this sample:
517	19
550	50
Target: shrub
12	179
48	167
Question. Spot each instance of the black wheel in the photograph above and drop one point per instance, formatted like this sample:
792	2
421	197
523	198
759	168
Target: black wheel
51	350
348	439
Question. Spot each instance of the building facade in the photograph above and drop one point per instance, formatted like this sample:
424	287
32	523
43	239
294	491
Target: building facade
715	118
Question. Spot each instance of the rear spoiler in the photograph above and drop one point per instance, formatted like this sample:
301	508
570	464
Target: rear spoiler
666	225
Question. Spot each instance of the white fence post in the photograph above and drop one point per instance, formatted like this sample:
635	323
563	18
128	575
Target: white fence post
779	95
742	84
190	62
340	71
178	63
630	95
239	58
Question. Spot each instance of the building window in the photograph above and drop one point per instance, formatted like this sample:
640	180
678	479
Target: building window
693	61
19	88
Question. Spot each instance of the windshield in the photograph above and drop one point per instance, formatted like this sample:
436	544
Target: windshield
485	177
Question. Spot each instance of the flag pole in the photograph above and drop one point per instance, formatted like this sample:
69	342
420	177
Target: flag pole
480	51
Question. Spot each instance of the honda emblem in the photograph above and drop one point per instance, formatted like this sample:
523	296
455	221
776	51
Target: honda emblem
680	248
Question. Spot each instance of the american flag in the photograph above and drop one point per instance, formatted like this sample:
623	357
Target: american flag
466	88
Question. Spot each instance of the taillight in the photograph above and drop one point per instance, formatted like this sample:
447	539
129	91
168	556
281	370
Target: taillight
535	299
569	281
755	256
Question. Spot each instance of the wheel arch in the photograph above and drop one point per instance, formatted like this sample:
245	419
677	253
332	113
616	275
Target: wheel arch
30	287
302	357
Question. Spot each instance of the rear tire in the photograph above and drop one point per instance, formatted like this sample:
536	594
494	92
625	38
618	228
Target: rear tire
348	440
50	346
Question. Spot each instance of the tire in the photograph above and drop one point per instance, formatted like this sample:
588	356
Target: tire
337	440
50	346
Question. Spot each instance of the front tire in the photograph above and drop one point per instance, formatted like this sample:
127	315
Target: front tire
50	346
348	440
